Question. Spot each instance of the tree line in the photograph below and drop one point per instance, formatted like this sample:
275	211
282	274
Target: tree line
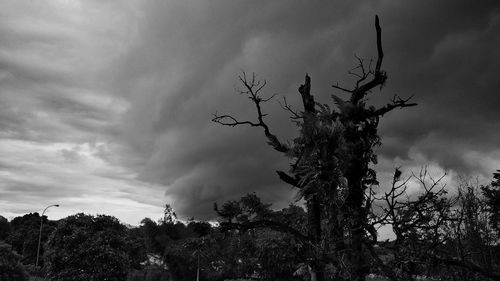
441	236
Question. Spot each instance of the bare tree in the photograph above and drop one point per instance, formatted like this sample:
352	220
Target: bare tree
330	164
436	233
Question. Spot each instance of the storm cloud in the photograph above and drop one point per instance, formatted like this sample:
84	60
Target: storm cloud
107	104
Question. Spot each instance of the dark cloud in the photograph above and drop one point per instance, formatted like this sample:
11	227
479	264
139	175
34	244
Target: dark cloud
190	54
454	82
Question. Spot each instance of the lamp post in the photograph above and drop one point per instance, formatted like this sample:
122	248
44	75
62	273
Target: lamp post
40	236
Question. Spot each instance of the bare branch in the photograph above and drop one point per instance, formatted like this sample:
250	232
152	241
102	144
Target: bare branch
336	86
398	188
228	120
269	98
397	102
287	107
360	66
252	89
379	77
364	73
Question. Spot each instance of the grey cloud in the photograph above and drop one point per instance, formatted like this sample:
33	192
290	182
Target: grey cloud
52	96
28	191
185	68
70	155
455	87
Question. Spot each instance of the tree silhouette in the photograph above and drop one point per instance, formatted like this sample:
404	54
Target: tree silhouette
330	165
11	268
4	228
84	247
492	194
437	234
23	235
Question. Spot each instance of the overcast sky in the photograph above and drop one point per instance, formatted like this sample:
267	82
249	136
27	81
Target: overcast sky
105	106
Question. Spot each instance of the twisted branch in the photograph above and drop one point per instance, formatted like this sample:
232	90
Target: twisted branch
252	89
396	102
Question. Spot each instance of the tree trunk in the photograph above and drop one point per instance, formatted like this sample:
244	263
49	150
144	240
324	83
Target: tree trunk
314	229
355	204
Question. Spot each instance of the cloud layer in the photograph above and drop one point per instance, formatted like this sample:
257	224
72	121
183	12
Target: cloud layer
107	104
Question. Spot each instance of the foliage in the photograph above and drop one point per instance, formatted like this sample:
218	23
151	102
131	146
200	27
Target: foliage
271	254
214	251
169	216
136	249
249	207
4	228
492	196
150	232
222	255
278	255
199	228
35	272
158	236
10	267
24	235
84	247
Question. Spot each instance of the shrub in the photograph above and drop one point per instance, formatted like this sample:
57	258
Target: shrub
86	248
10	267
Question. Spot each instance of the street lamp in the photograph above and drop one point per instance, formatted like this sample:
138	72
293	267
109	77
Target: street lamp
40	236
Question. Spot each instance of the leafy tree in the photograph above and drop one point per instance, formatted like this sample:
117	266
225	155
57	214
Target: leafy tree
10	267
136	249
330	166
169	215
158	236
184	256
24	235
271	254
84	247
244	253
150	231
492	195
4	228
220	256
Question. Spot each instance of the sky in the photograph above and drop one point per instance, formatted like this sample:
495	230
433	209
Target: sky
106	105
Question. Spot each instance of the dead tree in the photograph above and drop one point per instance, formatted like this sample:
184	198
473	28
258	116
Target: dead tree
329	163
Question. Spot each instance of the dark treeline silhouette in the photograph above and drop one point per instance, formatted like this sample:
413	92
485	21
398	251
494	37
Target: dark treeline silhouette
438	235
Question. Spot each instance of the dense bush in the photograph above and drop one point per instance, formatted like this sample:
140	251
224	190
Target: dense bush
4	228
23	236
88	248
10	267
35	271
